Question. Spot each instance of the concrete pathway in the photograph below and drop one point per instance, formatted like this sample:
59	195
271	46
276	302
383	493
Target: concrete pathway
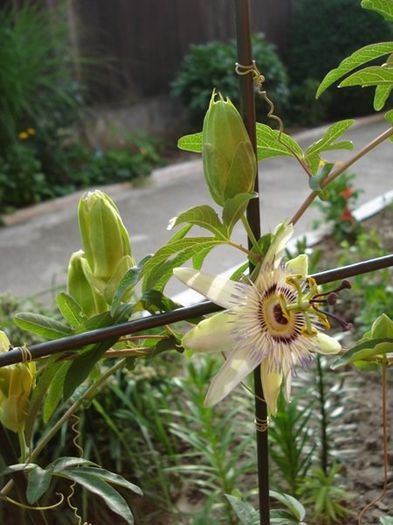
34	252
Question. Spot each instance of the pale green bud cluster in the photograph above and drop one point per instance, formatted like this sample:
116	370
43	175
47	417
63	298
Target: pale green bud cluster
95	272
229	161
16	384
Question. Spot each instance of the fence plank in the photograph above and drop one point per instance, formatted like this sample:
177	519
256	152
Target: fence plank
139	44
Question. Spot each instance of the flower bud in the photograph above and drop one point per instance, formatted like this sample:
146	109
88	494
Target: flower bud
80	289
105	239
229	161
16	384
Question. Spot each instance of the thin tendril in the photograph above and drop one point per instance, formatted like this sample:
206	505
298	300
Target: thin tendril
76	441
385	445
31	507
259	79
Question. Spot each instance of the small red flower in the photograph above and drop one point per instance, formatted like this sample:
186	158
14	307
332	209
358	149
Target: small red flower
346	216
347	193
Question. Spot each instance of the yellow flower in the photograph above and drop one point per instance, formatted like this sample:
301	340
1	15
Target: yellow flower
16	384
23	135
273	322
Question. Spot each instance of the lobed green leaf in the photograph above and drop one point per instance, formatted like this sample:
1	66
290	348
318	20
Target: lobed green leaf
382	7
370	76
172	255
381	95
358	58
328	143
272	143
205	217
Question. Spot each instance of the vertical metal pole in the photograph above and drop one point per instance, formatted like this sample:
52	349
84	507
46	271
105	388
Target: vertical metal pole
247	109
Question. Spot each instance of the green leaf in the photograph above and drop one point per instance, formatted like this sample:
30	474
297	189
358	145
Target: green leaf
358	58
381	95
382	327
41	325
235	207
243	510
386	520
191	143
389	116
155	301
39	392
327	143
365	350
96	485
111	477
270	143
18	467
293	505
38	481
239	272
172	255
55	390
70	310
180	234
82	366
382	7
370	76
200	257
66	462
205	217
127	284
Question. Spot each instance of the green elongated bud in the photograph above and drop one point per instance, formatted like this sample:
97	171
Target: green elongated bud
229	161
80	289
105	239
16	384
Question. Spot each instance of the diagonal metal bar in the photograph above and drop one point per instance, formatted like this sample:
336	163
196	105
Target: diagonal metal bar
75	342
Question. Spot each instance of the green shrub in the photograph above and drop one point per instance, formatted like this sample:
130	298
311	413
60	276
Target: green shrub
316	47
212	65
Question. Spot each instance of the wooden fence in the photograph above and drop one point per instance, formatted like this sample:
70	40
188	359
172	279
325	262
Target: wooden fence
137	45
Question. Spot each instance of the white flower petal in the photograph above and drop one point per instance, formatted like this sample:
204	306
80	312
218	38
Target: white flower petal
271	384
239	364
281	236
288	387
324	344
298	265
221	291
211	335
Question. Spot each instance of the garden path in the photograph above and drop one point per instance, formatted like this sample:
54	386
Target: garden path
35	253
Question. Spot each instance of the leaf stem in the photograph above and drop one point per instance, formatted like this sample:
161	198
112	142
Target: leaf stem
250	233
339	170
239	247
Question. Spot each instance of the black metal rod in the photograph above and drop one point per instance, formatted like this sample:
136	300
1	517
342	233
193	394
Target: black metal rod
75	342
247	109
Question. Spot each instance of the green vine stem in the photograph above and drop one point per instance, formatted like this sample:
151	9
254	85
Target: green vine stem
339	170
88	394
